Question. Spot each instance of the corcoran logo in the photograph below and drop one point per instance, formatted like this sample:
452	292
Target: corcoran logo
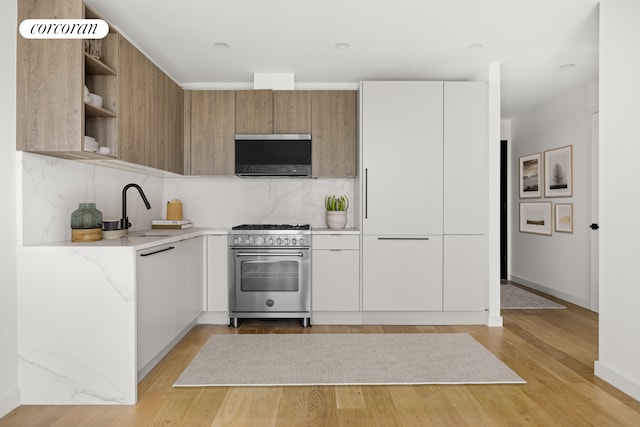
64	29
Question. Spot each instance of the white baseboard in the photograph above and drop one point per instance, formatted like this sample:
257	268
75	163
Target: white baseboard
214	318
582	302
617	379
495	321
9	402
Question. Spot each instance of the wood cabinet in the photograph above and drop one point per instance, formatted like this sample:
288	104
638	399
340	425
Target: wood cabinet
292	111
151	113
51	76
254	111
212	118
336	273
402	274
141	120
212	131
334	121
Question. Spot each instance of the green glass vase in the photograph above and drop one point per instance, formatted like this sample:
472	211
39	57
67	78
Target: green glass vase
86	217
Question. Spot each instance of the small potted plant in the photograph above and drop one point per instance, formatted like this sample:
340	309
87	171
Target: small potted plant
336	207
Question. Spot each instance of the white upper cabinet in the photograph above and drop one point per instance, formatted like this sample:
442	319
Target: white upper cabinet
465	158
402	149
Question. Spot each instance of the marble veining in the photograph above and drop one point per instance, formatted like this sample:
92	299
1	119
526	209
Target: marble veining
52	189
229	201
70	377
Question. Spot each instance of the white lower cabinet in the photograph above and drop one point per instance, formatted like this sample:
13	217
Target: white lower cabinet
169	281
217	275
465	273
402	273
335	276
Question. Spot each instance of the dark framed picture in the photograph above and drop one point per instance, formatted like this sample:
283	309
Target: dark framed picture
535	217
531	176
558	172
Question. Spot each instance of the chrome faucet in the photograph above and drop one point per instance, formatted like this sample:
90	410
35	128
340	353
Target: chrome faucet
124	221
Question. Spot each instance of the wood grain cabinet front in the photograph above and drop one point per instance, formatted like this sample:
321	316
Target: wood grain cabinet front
140	120
213	117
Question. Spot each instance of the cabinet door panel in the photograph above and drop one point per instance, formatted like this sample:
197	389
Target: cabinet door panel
196	277
465	158
291	111
212	132
402	275
156	276
134	80
254	111
465	276
402	137
334	129
217	274
335	280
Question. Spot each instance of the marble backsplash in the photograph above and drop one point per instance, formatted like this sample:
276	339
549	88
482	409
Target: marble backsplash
52	188
229	201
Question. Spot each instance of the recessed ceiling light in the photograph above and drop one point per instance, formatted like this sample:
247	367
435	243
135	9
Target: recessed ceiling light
342	45
475	46
567	66
221	45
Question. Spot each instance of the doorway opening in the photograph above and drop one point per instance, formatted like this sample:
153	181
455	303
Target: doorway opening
504	179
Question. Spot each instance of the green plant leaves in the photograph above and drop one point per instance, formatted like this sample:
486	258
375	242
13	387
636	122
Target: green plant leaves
336	203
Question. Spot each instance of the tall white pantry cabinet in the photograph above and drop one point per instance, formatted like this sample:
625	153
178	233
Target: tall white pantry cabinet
424	191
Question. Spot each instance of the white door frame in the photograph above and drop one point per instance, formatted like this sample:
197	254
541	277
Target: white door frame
594	208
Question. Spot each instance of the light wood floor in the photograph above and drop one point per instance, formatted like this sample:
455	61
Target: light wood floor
553	350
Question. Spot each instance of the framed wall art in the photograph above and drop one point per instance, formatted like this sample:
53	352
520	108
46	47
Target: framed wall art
535	217
564	217
558	172
531	176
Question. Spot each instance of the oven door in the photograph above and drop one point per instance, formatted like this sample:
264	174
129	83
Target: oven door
270	280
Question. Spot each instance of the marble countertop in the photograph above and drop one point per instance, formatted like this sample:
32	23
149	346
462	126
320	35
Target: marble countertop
144	239
332	231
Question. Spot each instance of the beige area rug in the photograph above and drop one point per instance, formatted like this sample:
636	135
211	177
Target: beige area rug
344	359
513	297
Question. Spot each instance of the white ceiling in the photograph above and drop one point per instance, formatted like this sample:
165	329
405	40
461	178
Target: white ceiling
399	39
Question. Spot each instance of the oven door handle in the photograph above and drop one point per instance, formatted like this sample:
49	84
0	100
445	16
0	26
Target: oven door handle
300	254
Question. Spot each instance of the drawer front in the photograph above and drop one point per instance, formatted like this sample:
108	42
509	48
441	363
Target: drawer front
336	241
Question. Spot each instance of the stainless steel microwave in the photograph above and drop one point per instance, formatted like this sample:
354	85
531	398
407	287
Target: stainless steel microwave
276	155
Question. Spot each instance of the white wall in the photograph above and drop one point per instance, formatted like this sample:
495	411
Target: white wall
619	351
9	394
557	264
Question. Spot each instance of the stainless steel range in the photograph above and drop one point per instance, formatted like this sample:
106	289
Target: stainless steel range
270	272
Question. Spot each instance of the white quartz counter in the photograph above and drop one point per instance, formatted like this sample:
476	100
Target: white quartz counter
144	239
335	232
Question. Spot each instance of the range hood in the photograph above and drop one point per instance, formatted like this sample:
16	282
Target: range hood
273	155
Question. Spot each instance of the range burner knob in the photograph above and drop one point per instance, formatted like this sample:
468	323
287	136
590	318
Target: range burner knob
294	241
279	241
286	241
271	241
249	240
302	241
236	240
259	240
